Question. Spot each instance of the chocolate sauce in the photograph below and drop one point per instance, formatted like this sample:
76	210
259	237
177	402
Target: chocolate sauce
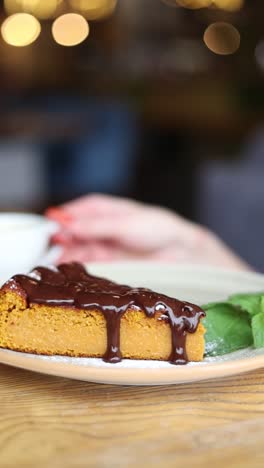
69	285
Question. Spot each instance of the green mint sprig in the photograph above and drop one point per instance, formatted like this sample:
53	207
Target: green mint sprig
234	324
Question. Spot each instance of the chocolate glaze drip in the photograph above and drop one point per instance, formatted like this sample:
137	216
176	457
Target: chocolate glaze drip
70	285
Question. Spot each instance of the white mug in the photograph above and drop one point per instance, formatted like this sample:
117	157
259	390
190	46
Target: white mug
24	240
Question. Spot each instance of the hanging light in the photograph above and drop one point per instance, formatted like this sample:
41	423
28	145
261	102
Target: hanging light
20	29
70	29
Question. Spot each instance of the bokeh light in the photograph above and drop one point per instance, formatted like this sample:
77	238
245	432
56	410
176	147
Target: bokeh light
194	4
20	29
70	29
171	3
228	5
259	54
42	9
94	9
222	38
12	6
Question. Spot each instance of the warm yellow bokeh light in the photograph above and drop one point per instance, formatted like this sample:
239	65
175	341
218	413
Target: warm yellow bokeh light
70	29
94	9
20	29
194	4
222	38
12	6
172	3
42	9
228	5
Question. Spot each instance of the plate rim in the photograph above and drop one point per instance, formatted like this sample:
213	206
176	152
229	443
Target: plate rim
154	265
130	375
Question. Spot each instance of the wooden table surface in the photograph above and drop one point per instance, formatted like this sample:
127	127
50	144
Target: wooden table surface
55	422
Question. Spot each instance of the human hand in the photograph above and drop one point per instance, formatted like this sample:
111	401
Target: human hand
106	228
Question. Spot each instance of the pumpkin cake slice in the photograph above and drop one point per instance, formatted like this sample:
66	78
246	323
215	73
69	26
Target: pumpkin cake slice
66	311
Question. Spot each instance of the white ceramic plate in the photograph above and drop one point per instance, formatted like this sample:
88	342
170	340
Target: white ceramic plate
193	283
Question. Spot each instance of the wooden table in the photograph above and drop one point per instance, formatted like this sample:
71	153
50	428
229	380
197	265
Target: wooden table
55	422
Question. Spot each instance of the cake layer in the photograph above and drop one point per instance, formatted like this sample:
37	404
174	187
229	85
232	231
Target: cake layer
66	311
61	330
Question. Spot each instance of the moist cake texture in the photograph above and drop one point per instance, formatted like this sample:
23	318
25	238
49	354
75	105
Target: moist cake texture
66	311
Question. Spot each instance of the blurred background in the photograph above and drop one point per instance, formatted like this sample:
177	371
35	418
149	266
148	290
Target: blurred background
159	100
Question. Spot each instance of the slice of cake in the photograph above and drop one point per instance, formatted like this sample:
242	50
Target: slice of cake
66	311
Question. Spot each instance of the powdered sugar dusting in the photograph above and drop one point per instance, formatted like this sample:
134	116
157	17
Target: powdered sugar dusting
147	364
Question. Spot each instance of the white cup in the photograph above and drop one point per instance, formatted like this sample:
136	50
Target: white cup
24	240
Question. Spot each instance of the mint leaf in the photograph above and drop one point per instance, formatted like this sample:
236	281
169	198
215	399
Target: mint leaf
227	329
262	304
250	303
258	330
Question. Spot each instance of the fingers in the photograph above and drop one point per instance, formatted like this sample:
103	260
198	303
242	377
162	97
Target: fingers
57	214
101	229
143	230
97	205
96	217
139	233
62	238
128	224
